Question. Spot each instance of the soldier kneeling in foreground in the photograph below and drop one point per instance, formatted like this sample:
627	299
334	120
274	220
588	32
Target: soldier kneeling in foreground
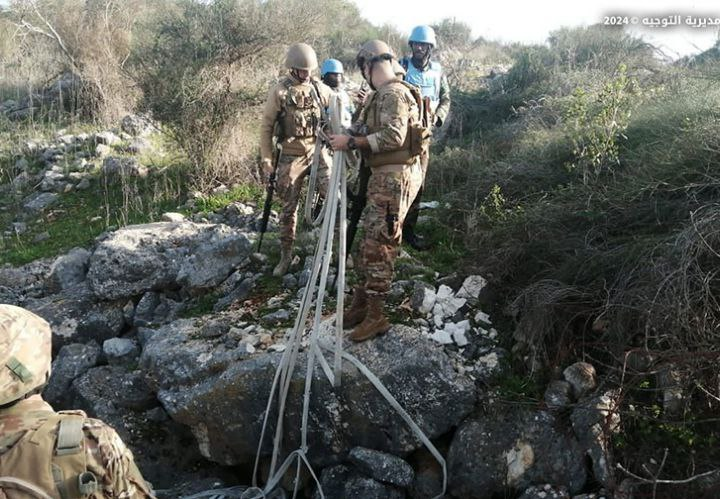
48	454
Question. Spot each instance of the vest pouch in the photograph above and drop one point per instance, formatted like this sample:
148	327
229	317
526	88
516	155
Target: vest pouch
302	113
303	123
419	139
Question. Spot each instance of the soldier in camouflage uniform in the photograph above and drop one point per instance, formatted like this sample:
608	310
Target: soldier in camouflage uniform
292	113
392	146
48	454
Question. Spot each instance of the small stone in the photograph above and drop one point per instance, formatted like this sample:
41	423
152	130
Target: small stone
107	138
139	146
482	317
214	328
382	466
40	201
304	278
581	376
22	164
21	181
277	347
43	236
442	337
290	281
101	150
115	166
129	312
446	304
459	338
83	184
119	350
172	217
471	287
276	317
423	298
558	394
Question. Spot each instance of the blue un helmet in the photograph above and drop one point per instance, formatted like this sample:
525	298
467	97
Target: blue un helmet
331	66
423	34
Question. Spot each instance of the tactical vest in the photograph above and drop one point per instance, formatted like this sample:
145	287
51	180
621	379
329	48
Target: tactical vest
51	458
417	137
301	110
427	80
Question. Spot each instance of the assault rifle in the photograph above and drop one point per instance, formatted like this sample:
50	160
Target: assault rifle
270	189
358	200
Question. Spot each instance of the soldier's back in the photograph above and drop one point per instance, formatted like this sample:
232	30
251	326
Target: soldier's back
67	455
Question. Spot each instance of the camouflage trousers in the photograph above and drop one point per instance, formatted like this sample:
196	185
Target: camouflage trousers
389	195
291	172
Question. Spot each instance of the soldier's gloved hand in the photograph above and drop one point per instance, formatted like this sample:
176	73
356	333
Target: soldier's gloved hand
267	168
438	122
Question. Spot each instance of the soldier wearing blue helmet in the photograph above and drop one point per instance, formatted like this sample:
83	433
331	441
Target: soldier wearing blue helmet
428	76
332	75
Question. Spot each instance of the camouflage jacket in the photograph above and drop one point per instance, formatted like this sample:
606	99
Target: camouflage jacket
389	116
298	107
23	455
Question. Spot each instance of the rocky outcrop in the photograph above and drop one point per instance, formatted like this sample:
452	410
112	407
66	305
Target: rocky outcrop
219	389
76	315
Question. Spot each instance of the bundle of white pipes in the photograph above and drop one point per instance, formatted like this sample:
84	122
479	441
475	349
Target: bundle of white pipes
314	293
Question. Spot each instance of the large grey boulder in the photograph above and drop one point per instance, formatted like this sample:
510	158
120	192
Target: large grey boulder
136	125
40	201
510	448
68	270
71	362
165	255
220	390
76	316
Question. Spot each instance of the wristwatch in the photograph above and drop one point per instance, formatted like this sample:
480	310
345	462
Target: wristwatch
351	143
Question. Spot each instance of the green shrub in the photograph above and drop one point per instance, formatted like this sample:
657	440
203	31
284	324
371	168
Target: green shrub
596	124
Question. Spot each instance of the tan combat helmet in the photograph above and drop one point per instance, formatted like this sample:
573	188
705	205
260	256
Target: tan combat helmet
25	352
371	49
301	56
